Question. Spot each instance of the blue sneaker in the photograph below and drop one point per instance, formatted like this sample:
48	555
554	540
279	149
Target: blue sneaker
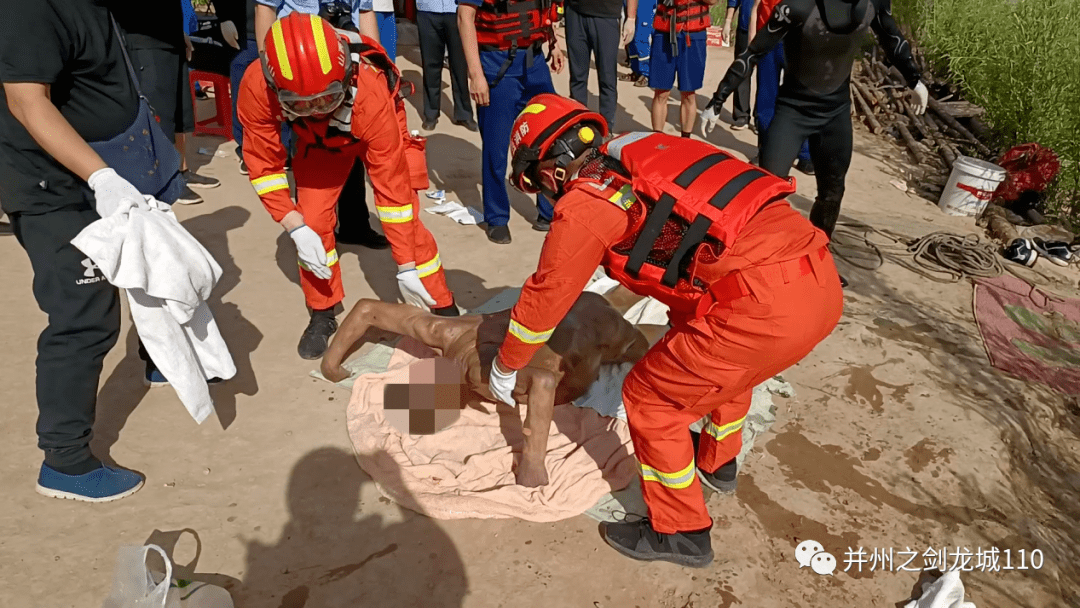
100	485
154	378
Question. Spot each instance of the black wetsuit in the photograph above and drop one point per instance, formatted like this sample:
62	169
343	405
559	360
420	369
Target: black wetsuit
821	41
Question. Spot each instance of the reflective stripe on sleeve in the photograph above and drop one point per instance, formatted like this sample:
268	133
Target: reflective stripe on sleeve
527	335
429	268
395	215
675	481
269	183
722	432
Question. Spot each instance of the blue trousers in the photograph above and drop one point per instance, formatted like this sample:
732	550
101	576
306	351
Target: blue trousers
639	49
247	55
388	33
527	76
768	87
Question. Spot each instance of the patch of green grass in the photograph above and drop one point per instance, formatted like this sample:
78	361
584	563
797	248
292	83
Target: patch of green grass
1020	60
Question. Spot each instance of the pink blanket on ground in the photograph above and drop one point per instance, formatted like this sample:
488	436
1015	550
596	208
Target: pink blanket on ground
464	471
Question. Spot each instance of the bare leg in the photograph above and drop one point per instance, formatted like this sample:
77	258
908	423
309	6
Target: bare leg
181	147
688	111
402	319
539	389
659	110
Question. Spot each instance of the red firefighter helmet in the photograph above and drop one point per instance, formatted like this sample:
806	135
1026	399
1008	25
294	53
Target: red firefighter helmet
551	126
307	64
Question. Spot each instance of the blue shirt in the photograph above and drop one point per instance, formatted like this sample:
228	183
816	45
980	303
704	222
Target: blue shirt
437	6
310	7
471	2
746	7
191	20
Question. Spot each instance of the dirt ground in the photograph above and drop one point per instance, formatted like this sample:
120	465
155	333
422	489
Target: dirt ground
900	435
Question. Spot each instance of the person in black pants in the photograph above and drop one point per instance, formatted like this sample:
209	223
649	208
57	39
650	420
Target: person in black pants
436	20
740	109
822	40
592	28
65	84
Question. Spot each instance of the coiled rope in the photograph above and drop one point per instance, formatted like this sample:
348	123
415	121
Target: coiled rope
942	257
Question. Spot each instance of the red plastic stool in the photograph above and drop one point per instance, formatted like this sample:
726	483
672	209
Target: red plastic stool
221	123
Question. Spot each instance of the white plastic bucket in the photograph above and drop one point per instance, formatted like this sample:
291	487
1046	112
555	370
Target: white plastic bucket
971	186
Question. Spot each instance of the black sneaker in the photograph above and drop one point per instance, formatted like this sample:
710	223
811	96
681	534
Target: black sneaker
542	224
316	337
368	238
429	125
468	124
639	541
199	181
1055	251
805	166
642	81
740	125
843	281
722	480
243	167
188	197
499	234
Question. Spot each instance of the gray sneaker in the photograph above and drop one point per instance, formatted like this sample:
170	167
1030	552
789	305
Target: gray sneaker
188	197
199	181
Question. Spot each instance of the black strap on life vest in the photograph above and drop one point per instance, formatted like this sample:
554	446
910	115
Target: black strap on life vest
699	227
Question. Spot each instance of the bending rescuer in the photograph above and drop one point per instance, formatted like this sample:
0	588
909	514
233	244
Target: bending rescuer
340	93
749	281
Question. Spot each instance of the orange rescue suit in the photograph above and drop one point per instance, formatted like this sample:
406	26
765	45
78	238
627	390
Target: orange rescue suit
777	296
377	135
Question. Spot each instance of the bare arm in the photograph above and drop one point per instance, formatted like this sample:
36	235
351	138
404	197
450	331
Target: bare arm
754	19
368	25
264	18
466	20
31	104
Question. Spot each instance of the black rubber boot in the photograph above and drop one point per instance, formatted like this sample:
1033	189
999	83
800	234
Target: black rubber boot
639	541
722	480
316	337
364	238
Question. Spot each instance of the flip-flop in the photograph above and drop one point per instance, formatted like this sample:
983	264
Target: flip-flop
1055	251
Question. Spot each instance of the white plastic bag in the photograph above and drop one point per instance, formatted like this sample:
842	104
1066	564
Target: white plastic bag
134	586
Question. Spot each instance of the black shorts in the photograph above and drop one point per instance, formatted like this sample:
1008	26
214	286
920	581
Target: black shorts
163	79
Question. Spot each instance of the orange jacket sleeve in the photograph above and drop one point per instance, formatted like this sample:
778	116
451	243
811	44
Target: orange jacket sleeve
381	128
583	228
258	110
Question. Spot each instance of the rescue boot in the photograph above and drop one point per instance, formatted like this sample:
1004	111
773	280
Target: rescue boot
639	541
722	480
316	337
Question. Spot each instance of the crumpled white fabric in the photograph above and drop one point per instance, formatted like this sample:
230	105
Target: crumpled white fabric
459	213
168	276
945	592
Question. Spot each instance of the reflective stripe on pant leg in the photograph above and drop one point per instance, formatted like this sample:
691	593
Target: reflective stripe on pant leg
321	294
429	267
721	439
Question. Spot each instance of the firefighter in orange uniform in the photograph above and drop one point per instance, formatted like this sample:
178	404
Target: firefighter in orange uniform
750	285
340	93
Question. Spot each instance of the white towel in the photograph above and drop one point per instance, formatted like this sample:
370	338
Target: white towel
457	212
168	276
946	592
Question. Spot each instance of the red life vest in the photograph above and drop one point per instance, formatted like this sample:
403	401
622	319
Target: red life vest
687	201
691	16
506	24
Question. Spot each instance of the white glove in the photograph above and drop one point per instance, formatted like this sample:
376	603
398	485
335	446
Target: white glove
413	290
709	117
310	250
921	97
502	384
112	193
628	30
230	35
